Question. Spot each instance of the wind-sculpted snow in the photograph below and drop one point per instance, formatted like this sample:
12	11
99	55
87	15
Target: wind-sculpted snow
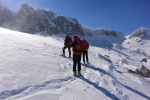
31	68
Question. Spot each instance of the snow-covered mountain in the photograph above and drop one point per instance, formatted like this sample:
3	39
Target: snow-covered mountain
31	68
45	22
42	22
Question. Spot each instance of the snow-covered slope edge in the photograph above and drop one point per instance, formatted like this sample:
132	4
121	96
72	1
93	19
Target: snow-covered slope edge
31	69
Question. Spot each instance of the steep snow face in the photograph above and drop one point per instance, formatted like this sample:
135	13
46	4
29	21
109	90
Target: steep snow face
31	68
142	32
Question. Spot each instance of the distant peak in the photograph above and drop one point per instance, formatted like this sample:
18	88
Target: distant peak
141	32
25	6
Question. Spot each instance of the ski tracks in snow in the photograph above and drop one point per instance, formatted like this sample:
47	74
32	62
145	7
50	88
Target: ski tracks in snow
53	85
103	82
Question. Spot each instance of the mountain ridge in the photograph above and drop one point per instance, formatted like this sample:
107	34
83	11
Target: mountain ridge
47	23
43	22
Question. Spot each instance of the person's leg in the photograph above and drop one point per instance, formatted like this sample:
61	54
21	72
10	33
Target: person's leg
87	59
83	56
64	51
74	64
79	65
69	50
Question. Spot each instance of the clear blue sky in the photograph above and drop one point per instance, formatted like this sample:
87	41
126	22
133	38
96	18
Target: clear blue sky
121	15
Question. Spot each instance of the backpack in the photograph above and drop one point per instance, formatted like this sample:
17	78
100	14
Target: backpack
68	40
80	45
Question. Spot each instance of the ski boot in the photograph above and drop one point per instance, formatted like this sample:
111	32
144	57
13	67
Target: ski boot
63	55
88	63
74	73
79	73
69	56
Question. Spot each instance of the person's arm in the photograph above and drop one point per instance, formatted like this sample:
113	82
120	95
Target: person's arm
71	44
88	44
65	42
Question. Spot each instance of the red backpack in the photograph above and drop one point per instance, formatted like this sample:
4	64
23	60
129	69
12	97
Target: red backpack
80	45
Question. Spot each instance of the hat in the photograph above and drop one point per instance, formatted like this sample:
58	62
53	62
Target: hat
75	36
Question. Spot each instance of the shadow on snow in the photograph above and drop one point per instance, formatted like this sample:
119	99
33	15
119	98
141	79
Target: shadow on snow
106	92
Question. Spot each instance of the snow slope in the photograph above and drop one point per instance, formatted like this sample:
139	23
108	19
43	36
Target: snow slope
31	69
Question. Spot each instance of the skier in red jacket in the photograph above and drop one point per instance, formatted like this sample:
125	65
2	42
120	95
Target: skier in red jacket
85	51
76	55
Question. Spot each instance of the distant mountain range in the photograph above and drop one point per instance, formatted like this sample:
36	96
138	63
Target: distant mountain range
46	23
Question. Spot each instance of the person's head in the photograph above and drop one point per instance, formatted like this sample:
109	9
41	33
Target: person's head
67	36
75	37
